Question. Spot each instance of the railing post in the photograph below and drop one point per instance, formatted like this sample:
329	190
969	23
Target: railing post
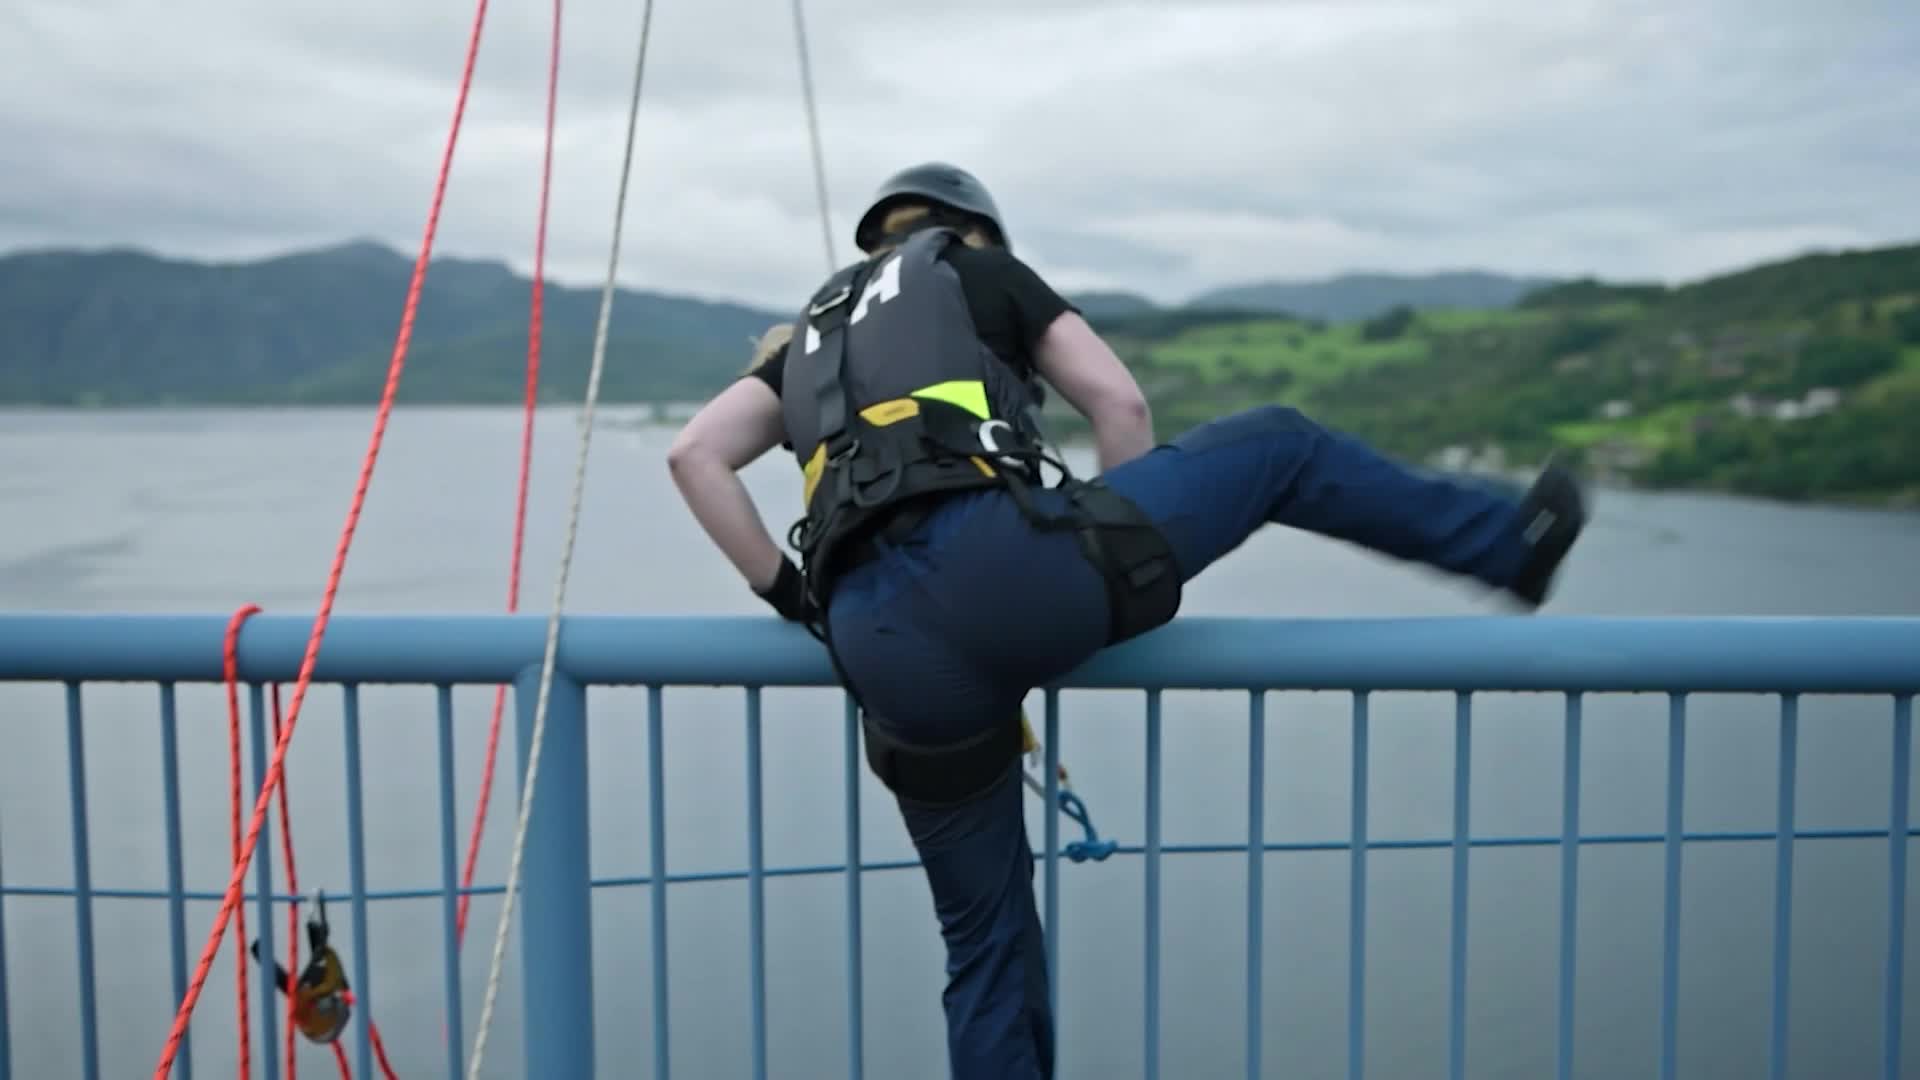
556	908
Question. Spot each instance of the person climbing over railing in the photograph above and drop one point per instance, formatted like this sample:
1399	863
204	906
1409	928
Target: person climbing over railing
948	581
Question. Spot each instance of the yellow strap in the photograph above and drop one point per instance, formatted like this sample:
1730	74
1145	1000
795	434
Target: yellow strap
810	474
890	412
968	394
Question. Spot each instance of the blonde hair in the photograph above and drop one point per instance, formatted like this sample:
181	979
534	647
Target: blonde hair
900	217
770	344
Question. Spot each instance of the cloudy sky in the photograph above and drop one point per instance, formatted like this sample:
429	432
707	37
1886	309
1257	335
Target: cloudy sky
1159	147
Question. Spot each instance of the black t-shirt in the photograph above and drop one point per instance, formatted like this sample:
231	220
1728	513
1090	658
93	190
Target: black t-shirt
1011	308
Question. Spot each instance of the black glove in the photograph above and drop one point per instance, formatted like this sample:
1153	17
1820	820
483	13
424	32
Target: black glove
788	594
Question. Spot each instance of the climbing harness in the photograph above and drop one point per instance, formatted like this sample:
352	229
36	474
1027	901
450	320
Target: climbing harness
890	402
321	1007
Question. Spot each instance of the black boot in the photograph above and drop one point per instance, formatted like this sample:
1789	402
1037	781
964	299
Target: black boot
1553	512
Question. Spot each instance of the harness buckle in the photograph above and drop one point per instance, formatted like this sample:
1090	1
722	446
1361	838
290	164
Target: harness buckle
848	447
816	310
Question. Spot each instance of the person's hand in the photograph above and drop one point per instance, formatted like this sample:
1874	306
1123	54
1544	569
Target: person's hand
788	594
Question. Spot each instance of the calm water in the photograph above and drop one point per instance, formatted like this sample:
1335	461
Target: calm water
203	511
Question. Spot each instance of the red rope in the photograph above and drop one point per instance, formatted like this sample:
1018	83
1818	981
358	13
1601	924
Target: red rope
230	903
373	1033
293	877
231	666
230	651
526	462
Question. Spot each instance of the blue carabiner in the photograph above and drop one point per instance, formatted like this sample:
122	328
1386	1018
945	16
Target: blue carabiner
1090	846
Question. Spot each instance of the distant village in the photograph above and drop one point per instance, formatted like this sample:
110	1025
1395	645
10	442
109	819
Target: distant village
1616	458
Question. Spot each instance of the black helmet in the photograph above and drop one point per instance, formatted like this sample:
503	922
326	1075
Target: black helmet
936	182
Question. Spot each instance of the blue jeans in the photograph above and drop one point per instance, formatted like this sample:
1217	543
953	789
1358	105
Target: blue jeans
944	634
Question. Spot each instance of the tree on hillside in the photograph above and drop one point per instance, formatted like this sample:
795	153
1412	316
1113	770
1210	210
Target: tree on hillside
1906	325
1838	361
1388	325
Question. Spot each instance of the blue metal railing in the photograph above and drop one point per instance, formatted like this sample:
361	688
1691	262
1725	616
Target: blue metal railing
1574	657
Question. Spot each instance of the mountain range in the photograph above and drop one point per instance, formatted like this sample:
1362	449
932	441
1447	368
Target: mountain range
123	327
1346	298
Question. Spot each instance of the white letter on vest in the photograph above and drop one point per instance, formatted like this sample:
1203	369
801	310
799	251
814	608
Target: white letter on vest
885	286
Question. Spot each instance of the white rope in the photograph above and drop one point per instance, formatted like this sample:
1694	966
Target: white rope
566	563
813	134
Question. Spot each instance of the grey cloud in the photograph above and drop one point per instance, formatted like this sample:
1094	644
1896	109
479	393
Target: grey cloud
1628	139
1079	248
1162	147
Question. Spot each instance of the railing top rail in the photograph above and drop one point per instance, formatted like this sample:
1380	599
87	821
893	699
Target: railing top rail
1847	654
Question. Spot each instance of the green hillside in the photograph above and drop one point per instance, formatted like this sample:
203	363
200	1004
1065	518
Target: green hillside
318	327
1351	297
1799	379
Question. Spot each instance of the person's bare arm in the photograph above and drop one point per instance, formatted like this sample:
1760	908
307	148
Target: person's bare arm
1093	380
741	423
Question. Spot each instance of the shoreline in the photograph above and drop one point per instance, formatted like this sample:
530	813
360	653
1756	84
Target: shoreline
637	415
